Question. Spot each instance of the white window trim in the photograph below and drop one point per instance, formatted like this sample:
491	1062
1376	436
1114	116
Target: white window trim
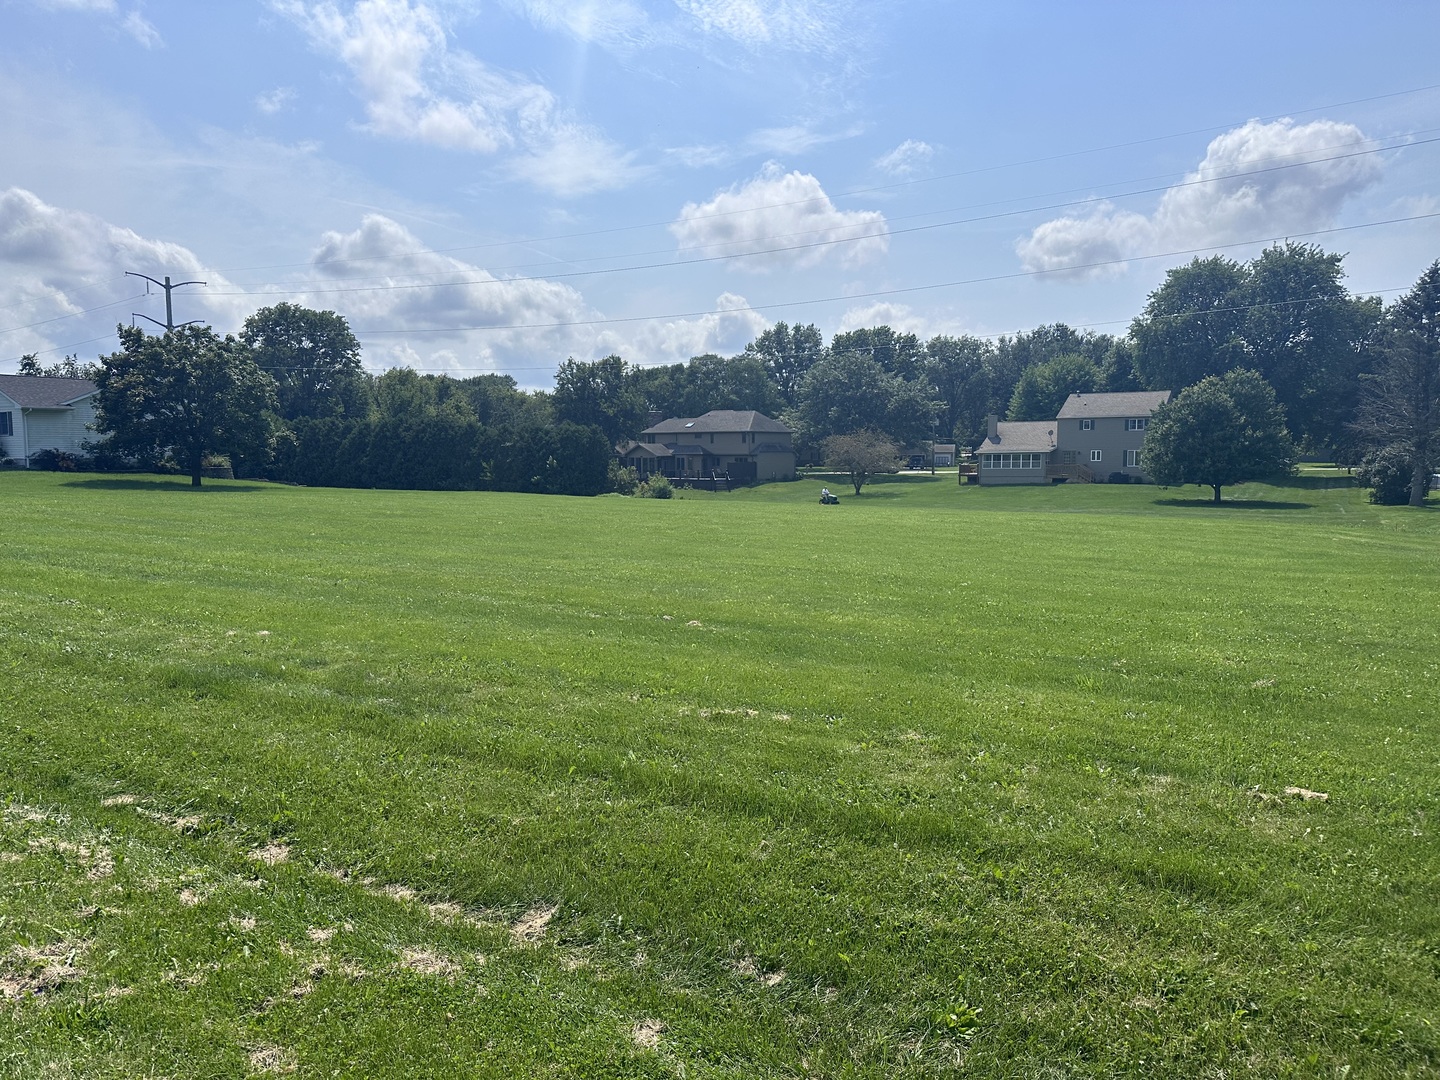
1132	459
1087	425
1096	456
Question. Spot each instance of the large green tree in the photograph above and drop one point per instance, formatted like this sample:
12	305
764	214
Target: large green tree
1043	388
188	393
313	358
1400	409
1225	430
788	352
601	394
851	392
1190	327
1286	314
898	353
957	374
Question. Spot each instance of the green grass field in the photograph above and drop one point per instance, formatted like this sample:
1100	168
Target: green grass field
941	781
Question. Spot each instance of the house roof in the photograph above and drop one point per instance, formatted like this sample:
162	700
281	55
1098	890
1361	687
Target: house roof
686	449
1090	406
1021	436
44	392
718	420
653	449
771	448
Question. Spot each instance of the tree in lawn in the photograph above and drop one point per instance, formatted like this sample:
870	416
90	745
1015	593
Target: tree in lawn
861	454
1400	408
313	358
850	392
1225	430
189	392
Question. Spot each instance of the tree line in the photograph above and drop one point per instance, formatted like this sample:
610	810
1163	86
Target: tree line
1352	381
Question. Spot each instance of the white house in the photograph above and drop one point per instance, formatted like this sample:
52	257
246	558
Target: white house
40	413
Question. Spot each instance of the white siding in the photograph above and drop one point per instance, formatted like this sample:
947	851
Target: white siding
49	429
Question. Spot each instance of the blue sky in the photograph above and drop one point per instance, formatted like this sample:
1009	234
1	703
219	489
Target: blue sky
496	186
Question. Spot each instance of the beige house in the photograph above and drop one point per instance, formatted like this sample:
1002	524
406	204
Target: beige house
42	413
744	444
1094	437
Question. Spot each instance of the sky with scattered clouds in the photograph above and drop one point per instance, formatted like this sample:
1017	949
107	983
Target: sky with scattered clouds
496	185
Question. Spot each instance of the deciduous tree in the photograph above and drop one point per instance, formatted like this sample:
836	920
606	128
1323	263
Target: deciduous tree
862	454
1224	430
1400	409
313	358
189	392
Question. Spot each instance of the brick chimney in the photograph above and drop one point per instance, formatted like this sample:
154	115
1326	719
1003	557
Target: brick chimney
992	427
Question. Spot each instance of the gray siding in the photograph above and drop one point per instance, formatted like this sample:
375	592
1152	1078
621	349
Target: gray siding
1109	436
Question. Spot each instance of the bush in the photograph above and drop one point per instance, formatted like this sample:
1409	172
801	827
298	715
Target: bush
1386	472
622	478
1119	478
57	461
657	487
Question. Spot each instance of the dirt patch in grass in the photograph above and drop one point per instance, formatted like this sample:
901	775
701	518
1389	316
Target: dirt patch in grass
429	962
746	966
27	972
646	1033
271	854
271	1059
98	861
121	800
531	927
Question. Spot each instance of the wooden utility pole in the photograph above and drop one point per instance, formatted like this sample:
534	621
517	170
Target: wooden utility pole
169	323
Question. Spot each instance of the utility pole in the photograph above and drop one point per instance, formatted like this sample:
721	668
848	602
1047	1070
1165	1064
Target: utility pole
169	323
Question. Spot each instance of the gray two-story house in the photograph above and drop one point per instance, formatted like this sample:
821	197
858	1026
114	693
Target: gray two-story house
1094	437
741	443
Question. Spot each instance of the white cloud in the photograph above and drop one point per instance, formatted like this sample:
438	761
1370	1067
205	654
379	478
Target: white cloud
611	22
60	264
1256	181
416	87
907	158
134	24
726	332
902	319
273	101
780	210
139	28
812	26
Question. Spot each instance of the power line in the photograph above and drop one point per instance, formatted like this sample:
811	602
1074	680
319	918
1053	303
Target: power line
869	190
1073	268
670	264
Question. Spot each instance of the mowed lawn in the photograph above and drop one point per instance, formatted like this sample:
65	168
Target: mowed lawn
939	781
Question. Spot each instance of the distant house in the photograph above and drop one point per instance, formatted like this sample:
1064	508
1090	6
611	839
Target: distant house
745	444
41	413
1093	437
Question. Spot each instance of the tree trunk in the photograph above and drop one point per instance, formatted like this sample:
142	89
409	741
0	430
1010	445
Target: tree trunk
195	478
1419	481
1216	500
858	479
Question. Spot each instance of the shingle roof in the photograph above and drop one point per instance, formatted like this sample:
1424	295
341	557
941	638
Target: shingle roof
43	392
718	420
1021	436
771	448
1135	403
653	449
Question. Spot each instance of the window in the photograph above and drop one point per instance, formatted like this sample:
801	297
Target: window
1136	423
1132	459
1069	457
7	424
1014	461
1095	456
1087	425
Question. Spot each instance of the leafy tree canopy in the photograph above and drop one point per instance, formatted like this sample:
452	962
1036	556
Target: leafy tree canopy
1224	430
70	368
600	394
787	353
850	392
1043	388
313	358
862	454
189	392
1400	406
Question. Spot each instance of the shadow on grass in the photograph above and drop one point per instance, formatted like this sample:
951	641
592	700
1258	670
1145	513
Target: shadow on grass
159	484
1236	504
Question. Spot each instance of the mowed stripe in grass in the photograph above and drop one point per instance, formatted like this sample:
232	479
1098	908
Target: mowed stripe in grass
937	776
